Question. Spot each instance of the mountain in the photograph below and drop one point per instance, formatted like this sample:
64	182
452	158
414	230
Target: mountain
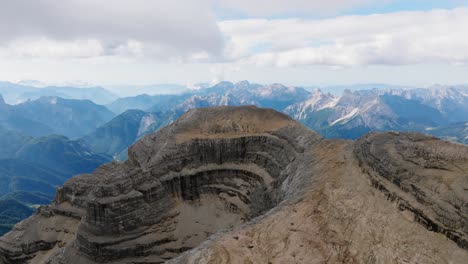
11	212
98	95
32	170
278	96
69	157
339	89
274	96
114	137
11	92
17	206
48	115
455	132
355	113
10	120
18	93
10	142
117	135
18	175
350	115
452	102
314	102
252	185
41	164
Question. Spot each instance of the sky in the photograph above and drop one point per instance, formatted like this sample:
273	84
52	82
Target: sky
295	42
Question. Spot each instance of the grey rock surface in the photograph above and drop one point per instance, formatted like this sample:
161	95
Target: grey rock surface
251	185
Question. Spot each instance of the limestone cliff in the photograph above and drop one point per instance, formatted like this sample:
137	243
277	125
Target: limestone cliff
250	185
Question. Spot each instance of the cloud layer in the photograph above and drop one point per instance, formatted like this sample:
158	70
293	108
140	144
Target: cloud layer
161	29
436	36
181	31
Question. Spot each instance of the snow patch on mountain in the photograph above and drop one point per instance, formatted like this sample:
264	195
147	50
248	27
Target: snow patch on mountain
346	118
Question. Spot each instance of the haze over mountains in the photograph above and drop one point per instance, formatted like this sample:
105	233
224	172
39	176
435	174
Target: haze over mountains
15	93
47	139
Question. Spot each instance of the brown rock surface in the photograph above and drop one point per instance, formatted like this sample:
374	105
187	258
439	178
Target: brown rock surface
250	185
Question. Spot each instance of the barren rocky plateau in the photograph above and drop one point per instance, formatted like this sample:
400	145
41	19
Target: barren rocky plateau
251	185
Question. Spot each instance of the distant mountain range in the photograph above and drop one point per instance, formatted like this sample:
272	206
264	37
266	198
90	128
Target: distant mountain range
354	113
35	157
53	115
32	168
349	115
454	132
435	110
114	137
14	93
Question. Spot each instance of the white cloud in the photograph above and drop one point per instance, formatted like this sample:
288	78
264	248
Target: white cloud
185	31
437	36
164	29
43	47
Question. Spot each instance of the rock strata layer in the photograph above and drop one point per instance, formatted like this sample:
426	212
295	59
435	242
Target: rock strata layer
250	185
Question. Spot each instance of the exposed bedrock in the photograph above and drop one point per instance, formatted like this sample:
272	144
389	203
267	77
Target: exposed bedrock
196	188
424	175
206	172
250	185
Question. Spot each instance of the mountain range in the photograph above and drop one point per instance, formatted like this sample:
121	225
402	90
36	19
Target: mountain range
349	115
114	137
32	168
252	185
53	115
15	93
47	140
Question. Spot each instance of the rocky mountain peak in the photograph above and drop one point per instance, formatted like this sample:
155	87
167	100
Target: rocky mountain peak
242	84
231	120
232	184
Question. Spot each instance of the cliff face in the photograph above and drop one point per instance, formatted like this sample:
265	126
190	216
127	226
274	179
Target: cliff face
250	185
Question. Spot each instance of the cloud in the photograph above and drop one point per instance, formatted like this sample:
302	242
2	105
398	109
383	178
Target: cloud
163	29
185	31
436	36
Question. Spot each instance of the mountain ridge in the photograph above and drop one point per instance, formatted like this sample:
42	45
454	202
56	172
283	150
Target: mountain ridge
228	184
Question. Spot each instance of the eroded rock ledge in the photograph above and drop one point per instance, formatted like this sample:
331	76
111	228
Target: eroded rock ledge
424	175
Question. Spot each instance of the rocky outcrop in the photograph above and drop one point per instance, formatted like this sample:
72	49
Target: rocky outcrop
424	175
250	185
212	169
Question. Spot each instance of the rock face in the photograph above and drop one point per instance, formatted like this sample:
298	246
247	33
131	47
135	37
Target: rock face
423	175
250	185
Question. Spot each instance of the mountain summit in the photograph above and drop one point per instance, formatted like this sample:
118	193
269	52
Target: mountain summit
251	185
